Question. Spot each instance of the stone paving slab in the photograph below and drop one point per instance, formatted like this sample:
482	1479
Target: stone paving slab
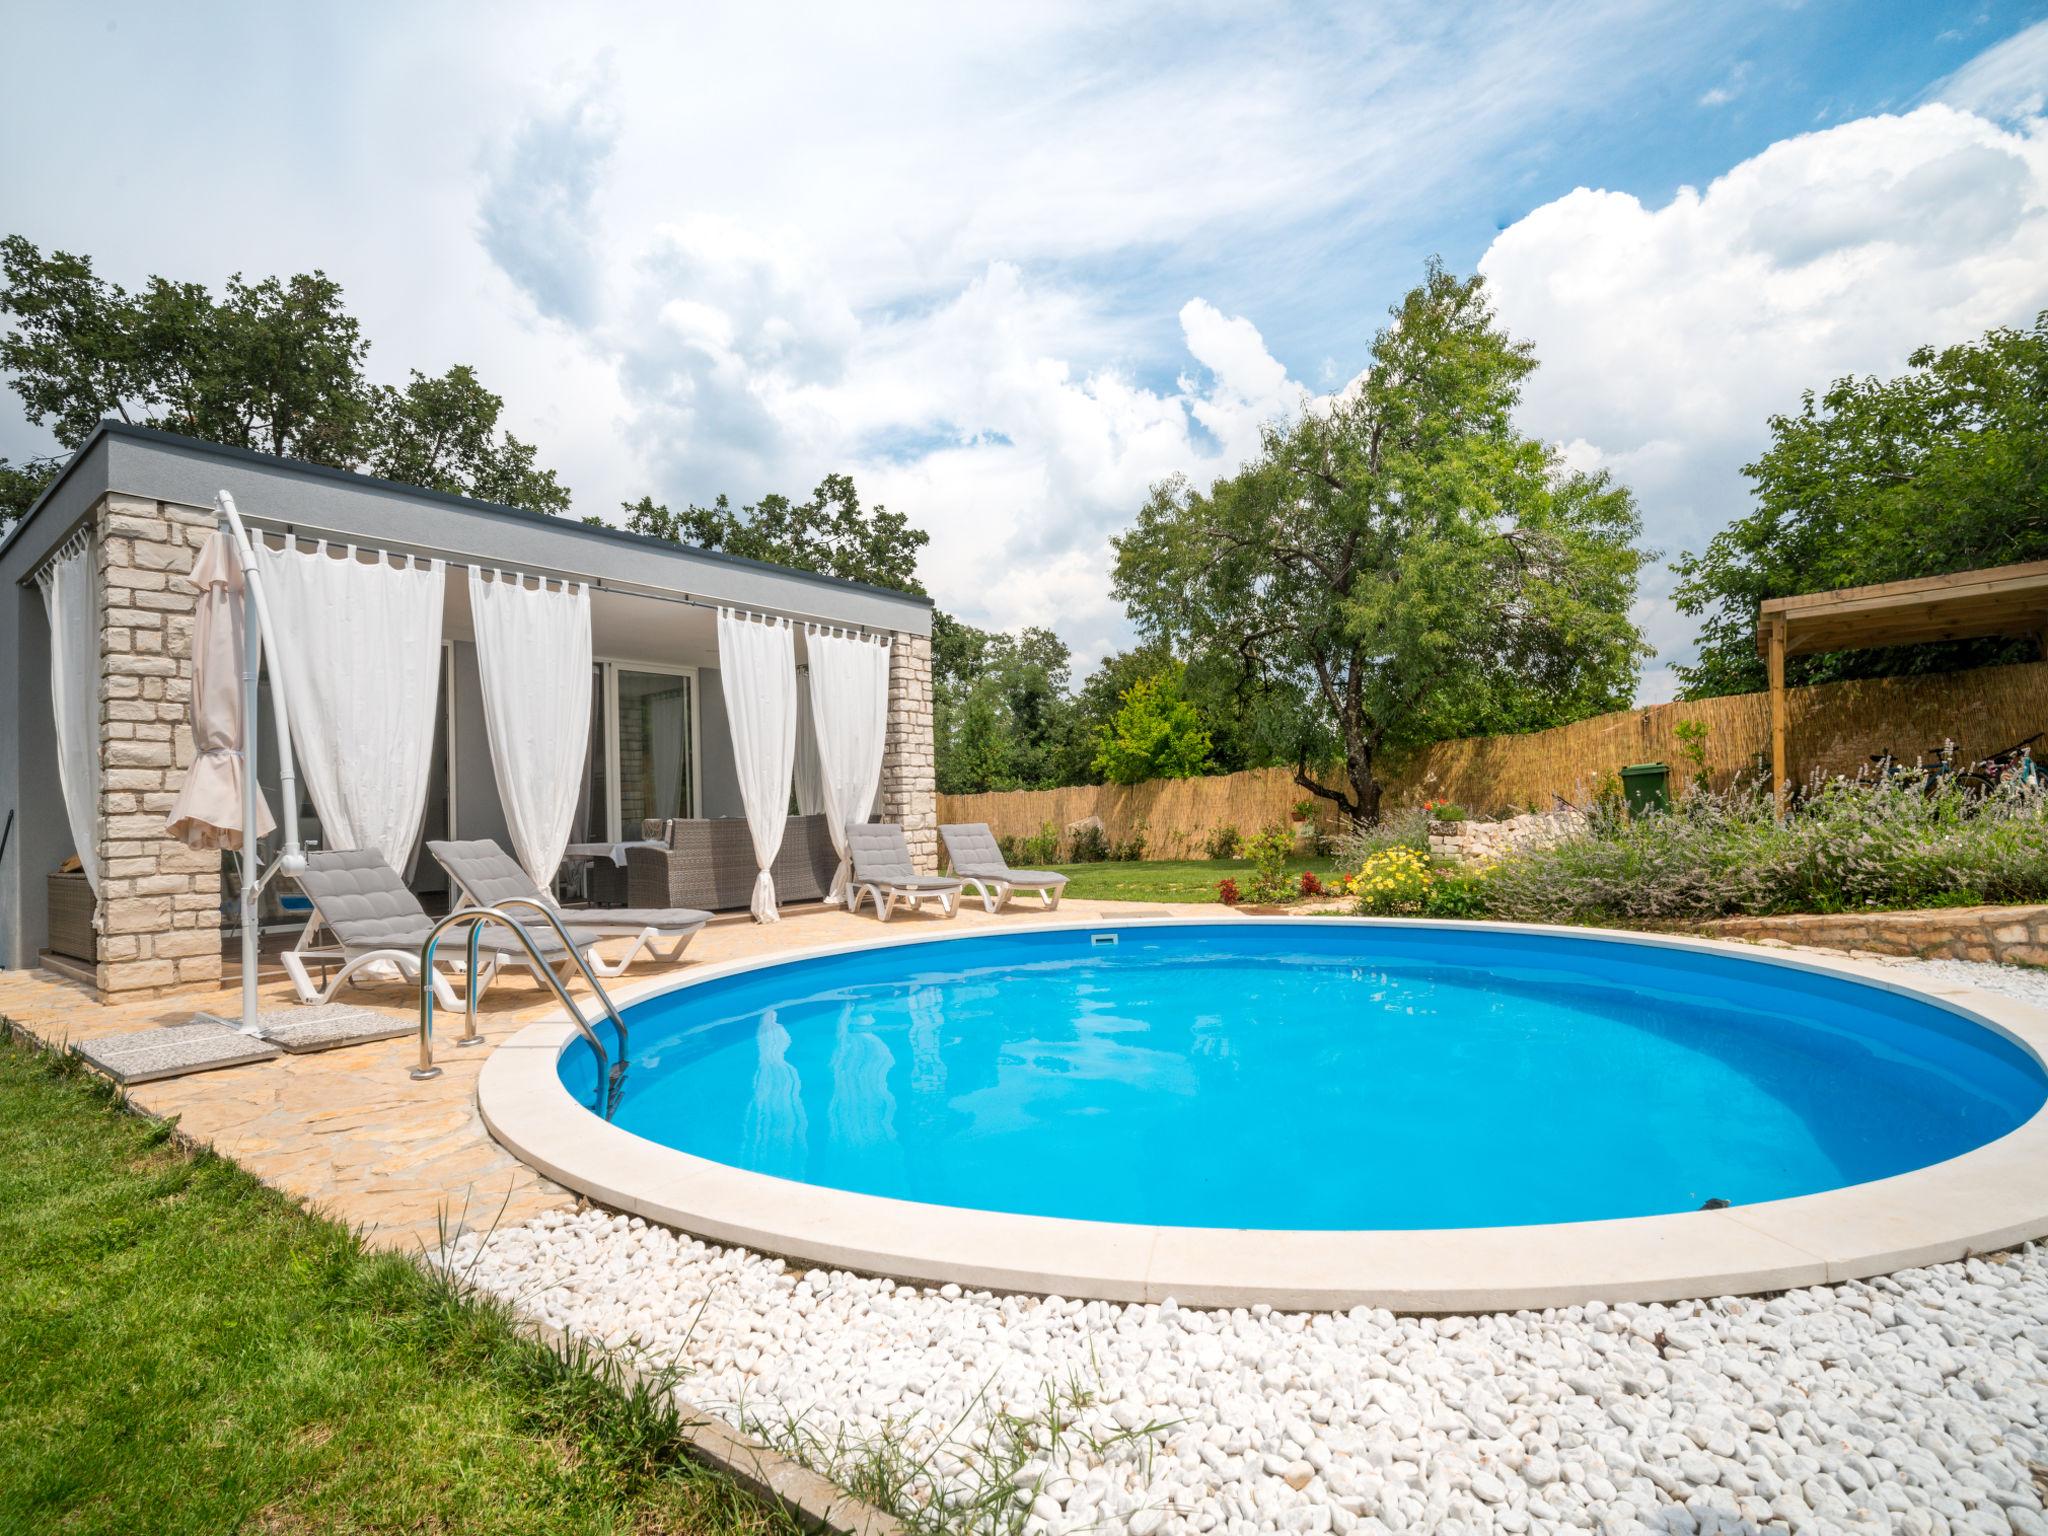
172	1050
328	1026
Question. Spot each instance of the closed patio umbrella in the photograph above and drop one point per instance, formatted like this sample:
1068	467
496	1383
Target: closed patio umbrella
209	809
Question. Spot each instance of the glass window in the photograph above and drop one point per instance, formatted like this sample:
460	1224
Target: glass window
655	742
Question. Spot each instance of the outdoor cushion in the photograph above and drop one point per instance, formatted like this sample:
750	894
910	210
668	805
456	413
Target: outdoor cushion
881	857
491	875
364	903
972	849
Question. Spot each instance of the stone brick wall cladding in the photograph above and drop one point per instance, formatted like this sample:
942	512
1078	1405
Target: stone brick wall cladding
2015	935
909	771
159	900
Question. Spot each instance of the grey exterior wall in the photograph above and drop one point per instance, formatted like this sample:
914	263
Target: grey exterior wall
29	787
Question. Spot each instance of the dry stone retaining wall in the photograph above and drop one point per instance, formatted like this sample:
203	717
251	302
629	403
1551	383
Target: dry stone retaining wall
2013	935
1481	842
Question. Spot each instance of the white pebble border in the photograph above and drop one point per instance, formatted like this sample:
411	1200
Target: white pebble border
1913	1403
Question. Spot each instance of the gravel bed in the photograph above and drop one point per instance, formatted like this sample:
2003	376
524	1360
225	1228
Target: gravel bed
1912	1403
2027	983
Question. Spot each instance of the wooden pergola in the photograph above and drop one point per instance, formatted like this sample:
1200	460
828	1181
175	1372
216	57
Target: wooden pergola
1969	605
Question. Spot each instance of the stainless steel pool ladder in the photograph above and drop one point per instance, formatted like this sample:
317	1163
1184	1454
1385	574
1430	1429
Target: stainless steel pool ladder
611	1074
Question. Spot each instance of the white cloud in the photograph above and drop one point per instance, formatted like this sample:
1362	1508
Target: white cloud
2007	81
1728	89
1668	335
1011	271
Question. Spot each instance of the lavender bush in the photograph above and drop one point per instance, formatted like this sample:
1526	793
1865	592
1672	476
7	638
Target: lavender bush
1850	845
1407	827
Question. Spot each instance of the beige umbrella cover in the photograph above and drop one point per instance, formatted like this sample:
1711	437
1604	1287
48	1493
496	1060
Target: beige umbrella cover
208	813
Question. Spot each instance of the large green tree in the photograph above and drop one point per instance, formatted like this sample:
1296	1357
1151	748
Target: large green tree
1002	716
1156	733
1943	468
275	365
1250	723
1403	559
832	533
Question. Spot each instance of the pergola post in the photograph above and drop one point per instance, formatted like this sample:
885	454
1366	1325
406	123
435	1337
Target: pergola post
1775	636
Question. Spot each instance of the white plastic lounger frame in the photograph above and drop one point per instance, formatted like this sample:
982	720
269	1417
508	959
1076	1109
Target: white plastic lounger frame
995	892
647	941
887	898
977	860
591	925
406	961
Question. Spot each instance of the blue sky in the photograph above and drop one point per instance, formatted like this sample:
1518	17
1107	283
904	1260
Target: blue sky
1009	266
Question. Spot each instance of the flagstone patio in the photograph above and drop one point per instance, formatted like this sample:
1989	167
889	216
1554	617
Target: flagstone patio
350	1133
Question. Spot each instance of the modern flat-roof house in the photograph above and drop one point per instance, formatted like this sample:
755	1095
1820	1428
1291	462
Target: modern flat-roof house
129	514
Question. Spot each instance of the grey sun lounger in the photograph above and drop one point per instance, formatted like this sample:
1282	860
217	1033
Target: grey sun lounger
486	874
374	920
977	858
883	872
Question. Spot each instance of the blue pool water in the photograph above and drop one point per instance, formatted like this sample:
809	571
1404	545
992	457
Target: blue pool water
1312	1075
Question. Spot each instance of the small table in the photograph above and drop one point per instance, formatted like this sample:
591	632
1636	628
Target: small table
583	855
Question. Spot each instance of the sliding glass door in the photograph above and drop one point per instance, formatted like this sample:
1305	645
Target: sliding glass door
644	744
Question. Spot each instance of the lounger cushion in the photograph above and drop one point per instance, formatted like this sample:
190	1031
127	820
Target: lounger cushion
363	901
366	906
972	850
881	857
485	870
492	875
634	918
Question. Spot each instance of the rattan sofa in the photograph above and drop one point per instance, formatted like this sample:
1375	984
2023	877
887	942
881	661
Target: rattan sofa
710	864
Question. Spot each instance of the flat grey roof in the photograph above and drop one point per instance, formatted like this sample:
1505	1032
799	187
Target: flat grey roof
317	501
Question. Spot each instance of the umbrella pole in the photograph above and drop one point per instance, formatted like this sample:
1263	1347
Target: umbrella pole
291	859
252	661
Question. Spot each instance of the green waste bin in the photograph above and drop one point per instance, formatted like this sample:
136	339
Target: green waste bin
1646	787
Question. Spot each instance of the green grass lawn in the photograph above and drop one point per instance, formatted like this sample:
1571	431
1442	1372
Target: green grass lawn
185	1350
1167	879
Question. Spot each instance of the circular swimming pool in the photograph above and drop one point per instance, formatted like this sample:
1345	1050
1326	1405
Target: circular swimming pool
1312	1076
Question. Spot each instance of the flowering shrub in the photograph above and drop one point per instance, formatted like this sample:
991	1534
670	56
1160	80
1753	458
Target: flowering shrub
1404	828
1310	885
1269	852
1391	882
1458	893
1229	892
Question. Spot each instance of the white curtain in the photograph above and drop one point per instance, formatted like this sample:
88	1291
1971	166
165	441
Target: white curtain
810	773
533	652
359	650
667	720
74	695
850	707
757	671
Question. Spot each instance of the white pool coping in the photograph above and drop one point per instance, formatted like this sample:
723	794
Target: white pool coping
1987	1199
